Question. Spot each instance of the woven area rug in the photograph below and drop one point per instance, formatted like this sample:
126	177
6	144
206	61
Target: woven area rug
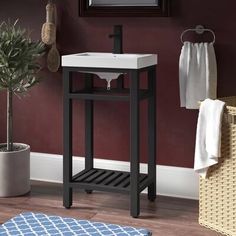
37	224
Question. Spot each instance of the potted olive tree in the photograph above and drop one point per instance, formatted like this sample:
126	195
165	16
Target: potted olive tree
18	72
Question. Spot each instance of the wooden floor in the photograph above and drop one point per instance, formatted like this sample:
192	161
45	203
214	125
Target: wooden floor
165	217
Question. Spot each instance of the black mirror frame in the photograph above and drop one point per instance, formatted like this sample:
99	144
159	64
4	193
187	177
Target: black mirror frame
159	11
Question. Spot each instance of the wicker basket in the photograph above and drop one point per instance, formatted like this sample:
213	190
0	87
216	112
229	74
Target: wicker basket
217	209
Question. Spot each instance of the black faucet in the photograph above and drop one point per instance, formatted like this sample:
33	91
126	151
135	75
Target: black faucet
118	39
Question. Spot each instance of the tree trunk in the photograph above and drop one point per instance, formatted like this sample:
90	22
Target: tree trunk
9	121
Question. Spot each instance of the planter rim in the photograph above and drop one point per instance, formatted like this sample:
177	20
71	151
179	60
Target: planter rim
22	144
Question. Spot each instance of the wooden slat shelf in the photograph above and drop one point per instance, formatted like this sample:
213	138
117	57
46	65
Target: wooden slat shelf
105	180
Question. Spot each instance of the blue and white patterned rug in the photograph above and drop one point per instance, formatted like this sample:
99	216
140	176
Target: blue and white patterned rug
37	224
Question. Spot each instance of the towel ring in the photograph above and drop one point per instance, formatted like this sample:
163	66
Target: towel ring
199	29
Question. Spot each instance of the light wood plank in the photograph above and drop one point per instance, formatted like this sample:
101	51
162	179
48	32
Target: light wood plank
166	216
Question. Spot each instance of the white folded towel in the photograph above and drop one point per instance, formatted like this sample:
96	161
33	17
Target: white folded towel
208	136
211	72
197	74
184	62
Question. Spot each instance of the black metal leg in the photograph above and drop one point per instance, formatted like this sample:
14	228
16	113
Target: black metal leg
67	137
88	127
152	133
134	141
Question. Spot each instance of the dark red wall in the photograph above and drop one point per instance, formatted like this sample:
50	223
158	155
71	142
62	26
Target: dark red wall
38	117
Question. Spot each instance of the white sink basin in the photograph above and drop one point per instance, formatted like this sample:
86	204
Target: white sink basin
109	60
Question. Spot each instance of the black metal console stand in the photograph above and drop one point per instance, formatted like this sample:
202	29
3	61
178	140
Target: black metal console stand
109	180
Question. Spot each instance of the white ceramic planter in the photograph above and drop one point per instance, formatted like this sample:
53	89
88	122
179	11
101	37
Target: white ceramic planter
15	172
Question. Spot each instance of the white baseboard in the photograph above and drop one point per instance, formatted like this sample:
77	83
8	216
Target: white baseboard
171	181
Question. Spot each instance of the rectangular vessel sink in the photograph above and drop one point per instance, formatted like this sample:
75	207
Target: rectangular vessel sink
109	60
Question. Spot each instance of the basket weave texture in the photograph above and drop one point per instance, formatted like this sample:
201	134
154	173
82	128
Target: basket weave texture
217	205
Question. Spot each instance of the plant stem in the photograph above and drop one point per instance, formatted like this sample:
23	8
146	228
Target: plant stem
9	121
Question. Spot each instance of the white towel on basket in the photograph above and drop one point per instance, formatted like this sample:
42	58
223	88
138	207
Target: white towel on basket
208	136
197	74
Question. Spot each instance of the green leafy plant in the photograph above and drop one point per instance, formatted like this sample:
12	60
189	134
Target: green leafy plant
18	66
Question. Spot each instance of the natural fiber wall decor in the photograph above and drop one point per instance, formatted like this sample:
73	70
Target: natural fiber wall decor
53	59
49	30
48	33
